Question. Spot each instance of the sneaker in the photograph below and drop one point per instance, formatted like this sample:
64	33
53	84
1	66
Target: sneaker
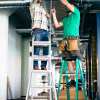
71	84
36	68
44	68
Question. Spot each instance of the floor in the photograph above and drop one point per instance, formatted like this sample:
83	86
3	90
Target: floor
62	95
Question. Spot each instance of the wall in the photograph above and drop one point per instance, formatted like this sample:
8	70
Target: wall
14	59
98	53
3	54
25	65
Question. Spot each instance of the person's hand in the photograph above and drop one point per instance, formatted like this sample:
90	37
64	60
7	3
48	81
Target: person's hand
47	15
63	1
53	11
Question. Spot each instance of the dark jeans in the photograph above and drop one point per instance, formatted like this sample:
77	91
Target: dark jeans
40	35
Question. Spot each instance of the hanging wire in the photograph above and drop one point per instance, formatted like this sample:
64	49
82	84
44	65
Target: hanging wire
81	1
50	18
25	10
54	3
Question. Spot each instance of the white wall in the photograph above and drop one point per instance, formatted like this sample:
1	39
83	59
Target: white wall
3	54
14	59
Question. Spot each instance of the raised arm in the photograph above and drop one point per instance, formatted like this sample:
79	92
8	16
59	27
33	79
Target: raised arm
56	23
70	7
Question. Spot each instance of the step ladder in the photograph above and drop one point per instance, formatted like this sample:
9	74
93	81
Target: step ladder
64	63
51	88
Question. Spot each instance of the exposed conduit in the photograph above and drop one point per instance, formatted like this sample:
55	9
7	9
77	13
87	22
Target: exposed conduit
14	4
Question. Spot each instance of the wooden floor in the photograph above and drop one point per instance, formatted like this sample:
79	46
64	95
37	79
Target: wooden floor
63	96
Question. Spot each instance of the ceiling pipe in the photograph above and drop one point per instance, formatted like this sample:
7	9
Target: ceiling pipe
21	3
83	19
22	31
11	4
86	1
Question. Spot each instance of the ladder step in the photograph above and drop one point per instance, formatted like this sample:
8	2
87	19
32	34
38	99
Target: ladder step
41	43
69	73
74	72
41	71
43	87
43	58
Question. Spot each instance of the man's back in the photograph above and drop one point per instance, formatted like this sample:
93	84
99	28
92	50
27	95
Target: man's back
71	24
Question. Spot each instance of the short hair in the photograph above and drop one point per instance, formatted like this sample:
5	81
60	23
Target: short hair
75	4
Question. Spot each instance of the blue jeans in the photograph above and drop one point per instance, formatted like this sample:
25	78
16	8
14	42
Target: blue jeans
40	35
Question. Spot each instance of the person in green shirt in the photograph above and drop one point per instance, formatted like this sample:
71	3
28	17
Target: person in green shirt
70	32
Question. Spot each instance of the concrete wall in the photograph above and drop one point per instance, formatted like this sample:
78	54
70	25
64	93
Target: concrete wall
14	59
24	65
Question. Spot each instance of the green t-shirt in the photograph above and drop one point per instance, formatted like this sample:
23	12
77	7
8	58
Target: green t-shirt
71	24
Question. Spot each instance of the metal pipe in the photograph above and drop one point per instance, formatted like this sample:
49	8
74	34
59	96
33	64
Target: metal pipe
87	1
11	4
14	2
83	19
22	31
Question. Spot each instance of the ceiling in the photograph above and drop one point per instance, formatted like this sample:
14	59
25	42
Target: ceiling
88	10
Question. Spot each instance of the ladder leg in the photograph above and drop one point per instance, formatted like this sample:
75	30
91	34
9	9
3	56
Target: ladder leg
60	79
48	94
48	90
28	89
82	78
32	90
76	79
52	93
66	78
53	84
55	94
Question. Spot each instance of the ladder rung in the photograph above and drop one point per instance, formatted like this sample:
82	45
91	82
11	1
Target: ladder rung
36	57
56	58
67	74
46	87
70	73
41	71
41	43
74	72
